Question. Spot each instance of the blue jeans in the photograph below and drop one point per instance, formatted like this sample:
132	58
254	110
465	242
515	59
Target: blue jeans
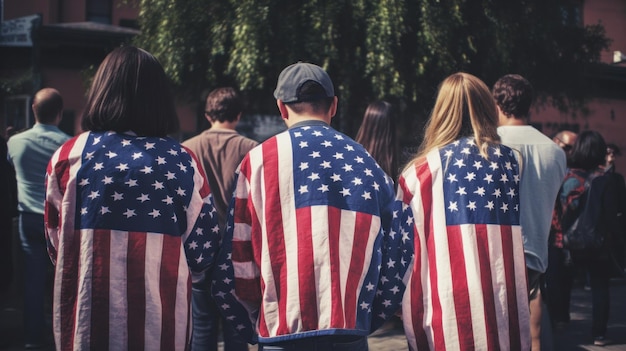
320	343
36	264
206	323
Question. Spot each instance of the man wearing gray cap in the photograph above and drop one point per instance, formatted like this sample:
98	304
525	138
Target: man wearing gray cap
309	259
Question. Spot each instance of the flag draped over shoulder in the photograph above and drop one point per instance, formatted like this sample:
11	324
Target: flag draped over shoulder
308	248
467	286
127	217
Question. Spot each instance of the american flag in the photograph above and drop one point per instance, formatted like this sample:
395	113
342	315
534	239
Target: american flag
308	248
467	286
127	218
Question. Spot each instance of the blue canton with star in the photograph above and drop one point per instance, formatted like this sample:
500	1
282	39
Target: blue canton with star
478	190
134	183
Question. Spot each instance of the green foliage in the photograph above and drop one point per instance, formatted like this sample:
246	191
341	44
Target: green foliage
393	49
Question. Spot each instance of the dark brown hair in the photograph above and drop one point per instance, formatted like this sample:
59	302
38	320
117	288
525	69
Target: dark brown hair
589	151
514	95
47	105
378	135
130	92
223	104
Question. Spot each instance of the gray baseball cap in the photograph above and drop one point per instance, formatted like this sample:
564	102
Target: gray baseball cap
294	76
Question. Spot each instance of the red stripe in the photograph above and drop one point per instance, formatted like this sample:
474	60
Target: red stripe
242	251
337	315
359	245
62	167
100	277
511	291
306	269
168	283
461	291
69	289
275	233
257	247
136	289
205	190
486	282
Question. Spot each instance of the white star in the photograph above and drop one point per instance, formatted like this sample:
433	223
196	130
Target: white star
104	209
497	193
472	205
511	192
366	195
376	186
497	151
359	159
489	205
158	185
107	180
338	156
505	207
96	140
370	286
453	206
180	191
137	155
470	176
461	191
199	259
303	144
459	162
493	166
504	178
155	213
149	146
364	305
83	210
129	213
111	154
335	177
357	181
478	165
93	195
480	191
98	166
168	200
315	154
83	182
488	178
125	142
448	153
89	155
143	198
327	143
117	196
395	289
122	167
345	192
146	170
314	176
452	178
323	188
391	263
170	175
347	168
304	165
368	172
303	189
182	167
161	160
325	164
193	245
224	266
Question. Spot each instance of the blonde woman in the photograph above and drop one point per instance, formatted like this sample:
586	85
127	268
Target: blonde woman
466	284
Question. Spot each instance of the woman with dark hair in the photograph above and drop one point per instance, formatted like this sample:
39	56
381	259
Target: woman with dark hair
586	162
129	216
378	135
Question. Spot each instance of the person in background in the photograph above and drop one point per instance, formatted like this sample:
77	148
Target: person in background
565	139
467	288
129	216
29	152
8	210
543	168
220	150
587	160
619	247
309	260
377	134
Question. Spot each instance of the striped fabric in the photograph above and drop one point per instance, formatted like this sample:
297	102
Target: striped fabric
308	249
467	286
126	219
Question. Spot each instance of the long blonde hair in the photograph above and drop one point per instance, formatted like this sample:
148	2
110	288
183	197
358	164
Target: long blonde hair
464	108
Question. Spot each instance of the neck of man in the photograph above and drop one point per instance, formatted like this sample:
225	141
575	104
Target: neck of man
226	125
505	120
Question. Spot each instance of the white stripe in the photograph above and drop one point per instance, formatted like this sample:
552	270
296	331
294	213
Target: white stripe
521	284
290	231
474	283
321	250
118	289
498	278
82	328
442	249
153	317
183	302
346	242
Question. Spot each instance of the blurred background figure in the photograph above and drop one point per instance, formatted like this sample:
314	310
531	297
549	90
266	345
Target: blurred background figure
8	210
128	216
619	247
378	135
587	159
565	139
220	149
29	152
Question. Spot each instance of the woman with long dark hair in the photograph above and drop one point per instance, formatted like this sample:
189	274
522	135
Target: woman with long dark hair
378	135
586	162
128	216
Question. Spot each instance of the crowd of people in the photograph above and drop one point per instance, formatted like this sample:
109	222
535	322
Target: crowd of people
311	239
